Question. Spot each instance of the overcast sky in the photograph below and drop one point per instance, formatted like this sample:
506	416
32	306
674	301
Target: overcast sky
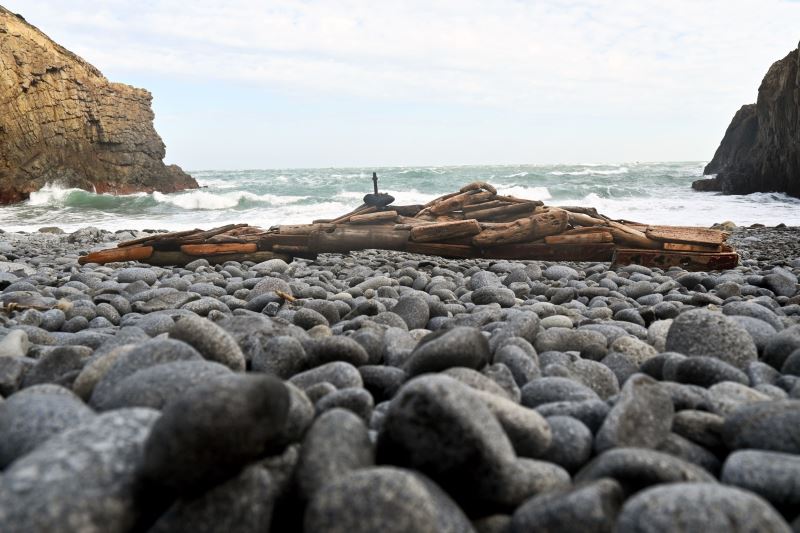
270	84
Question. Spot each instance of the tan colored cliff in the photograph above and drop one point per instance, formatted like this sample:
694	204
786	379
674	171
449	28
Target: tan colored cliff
63	122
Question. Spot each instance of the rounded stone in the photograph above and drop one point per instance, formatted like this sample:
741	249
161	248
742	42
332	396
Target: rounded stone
592	507
156	386
82	479
385	499
641	417
703	332
707	507
555	389
771	426
212	431
336	444
571	443
772	475
29	418
443	349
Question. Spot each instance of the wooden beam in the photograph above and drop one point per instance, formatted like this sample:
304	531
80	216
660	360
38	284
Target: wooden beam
688	235
217	249
445	230
578	238
687	260
114	255
530	228
379	217
348	238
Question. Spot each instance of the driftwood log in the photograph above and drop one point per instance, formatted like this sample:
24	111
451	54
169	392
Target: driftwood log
473	222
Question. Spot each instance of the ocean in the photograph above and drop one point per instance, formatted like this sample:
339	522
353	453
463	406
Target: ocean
657	193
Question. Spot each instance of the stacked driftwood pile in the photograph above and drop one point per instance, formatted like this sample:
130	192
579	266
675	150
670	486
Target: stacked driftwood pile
474	222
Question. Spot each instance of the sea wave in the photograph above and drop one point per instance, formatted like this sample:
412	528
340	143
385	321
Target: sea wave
204	200
590	172
528	193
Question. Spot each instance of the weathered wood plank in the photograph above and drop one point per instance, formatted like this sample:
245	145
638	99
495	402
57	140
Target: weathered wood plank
348	238
115	255
519	209
380	217
443	250
680	247
628	236
530	228
180	258
688	235
578	238
445	230
216	249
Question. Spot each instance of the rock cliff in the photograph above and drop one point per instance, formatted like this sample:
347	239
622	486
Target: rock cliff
760	151
62	121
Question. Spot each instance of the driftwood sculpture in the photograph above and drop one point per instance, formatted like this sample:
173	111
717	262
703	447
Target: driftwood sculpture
474	222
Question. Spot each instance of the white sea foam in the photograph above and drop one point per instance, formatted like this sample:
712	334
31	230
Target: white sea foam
529	193
204	200
50	194
590	172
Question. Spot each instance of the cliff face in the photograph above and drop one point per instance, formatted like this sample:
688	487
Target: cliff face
761	148
62	121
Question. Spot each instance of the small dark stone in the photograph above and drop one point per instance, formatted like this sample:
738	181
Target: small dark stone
555	389
213	342
30	417
591	412
336	348
354	399
703	332
707	507
336	444
571	443
366	501
212	431
771	426
382	381
637	468
339	374
145	355
82	479
701	427
155	386
591	508
707	371
642	417
443	349
242	504
771	475
281	356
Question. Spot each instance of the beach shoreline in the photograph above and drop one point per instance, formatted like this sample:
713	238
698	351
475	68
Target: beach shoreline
346	374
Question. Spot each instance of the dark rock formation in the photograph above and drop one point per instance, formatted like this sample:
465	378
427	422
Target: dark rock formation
62	121
761	148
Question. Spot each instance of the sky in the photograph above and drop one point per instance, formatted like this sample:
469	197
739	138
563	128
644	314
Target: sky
337	83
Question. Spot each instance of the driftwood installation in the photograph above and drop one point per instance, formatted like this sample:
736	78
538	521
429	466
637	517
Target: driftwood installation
474	222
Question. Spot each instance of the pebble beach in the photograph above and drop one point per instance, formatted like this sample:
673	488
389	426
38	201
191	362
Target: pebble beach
393	392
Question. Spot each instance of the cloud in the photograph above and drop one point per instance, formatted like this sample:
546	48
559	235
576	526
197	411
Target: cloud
536	55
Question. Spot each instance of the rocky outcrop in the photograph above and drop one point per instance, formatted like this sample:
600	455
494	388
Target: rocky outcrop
62	121
761	148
